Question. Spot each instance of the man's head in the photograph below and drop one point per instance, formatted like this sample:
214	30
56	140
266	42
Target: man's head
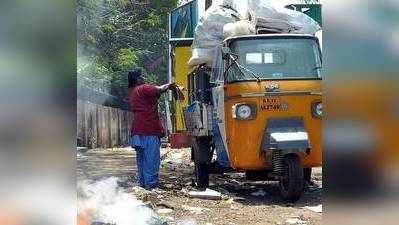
135	78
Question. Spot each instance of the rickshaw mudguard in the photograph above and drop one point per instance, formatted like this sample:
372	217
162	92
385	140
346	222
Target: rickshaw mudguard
287	134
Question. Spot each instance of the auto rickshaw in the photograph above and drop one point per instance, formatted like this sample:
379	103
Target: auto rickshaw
260	108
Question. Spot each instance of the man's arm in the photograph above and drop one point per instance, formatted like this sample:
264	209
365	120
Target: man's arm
156	91
165	87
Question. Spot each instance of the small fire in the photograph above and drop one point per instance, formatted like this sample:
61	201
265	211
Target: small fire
83	220
103	202
85	213
9	218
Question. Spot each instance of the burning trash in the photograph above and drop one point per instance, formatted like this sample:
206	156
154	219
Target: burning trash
103	203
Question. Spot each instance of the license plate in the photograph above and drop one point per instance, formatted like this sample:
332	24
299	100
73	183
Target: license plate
272	104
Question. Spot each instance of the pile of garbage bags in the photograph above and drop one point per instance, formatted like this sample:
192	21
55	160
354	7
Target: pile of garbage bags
223	20
209	32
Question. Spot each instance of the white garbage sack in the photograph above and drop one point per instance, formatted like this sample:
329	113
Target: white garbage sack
223	20
209	32
202	56
242	27
278	19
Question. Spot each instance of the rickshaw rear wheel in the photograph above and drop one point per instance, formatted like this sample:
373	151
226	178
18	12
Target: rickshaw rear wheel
201	175
307	175
292	181
202	155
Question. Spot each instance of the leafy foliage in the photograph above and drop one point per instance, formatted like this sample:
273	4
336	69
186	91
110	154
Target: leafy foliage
126	59
115	36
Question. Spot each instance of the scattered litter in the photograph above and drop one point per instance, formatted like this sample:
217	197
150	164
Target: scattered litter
295	220
230	201
169	186
138	189
259	193
196	210
166	205
207	194
223	191
317	209
187	222
159	191
237	198
82	149
237	175
174	157
152	199
169	218
164	211
234	181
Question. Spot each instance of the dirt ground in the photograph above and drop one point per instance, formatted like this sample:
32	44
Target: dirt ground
242	203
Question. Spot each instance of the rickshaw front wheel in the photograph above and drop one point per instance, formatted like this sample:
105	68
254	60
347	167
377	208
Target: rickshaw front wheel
292	181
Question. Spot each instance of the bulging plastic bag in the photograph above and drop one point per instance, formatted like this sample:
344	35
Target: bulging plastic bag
202	56
223	20
280	19
239	28
209	32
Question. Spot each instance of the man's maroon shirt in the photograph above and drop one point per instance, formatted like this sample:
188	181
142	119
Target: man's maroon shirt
143	101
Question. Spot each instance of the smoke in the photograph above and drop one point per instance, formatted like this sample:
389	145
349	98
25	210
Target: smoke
93	83
104	202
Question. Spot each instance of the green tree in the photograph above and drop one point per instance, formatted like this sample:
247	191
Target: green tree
115	36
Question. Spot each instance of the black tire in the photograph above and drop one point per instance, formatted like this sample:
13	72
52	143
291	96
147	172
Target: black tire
307	175
202	155
292	182
201	175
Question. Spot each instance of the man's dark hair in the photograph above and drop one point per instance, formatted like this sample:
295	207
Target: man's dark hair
133	77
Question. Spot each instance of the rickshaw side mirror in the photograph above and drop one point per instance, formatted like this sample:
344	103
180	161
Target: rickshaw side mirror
226	52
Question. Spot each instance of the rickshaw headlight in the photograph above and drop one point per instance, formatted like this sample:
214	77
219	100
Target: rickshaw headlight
244	111
317	109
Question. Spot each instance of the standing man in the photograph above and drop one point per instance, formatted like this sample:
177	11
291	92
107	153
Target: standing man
146	128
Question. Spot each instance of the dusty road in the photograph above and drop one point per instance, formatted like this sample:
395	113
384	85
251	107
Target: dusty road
242	203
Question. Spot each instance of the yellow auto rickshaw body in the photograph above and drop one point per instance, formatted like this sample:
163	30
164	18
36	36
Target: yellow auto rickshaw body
294	98
244	137
181	69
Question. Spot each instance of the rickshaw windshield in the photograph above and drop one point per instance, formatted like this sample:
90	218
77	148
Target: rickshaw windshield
275	59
